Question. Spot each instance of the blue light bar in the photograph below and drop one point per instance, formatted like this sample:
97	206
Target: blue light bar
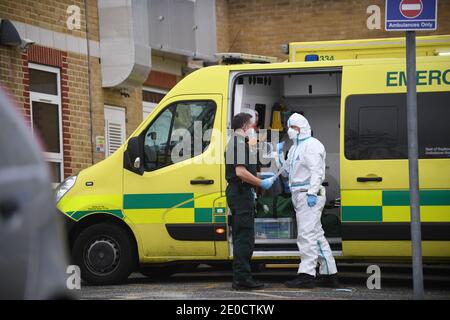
312	57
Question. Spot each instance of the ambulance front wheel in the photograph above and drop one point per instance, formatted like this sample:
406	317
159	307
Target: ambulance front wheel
104	254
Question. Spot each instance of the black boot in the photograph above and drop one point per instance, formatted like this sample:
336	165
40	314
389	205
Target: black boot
328	281
303	281
248	284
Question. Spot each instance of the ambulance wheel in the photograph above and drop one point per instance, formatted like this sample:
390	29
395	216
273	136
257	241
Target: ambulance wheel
104	254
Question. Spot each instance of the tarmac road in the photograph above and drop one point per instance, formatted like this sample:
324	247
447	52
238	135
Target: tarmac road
209	283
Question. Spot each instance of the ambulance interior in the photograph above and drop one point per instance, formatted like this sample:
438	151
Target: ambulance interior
275	97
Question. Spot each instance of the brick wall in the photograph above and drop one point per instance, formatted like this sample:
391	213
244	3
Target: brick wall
79	118
14	77
261	26
222	18
161	80
51	15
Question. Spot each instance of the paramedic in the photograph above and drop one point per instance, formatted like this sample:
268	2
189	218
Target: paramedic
305	165
240	174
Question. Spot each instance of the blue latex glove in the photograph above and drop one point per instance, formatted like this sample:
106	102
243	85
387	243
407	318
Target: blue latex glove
267	183
280	147
311	200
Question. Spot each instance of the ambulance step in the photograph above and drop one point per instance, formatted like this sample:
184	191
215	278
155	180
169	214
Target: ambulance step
287	254
288	246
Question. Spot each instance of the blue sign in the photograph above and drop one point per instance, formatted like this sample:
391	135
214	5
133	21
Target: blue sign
410	15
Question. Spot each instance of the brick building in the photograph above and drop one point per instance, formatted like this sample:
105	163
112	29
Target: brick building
68	90
50	83
261	26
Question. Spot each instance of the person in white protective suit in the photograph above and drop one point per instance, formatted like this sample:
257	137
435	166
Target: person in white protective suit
305	165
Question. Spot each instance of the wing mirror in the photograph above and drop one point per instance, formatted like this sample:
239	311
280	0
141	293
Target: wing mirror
133	155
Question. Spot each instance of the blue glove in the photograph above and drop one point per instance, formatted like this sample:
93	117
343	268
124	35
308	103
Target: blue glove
280	147
312	200
267	183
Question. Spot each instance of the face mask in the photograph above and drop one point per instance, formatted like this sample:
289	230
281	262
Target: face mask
292	134
251	133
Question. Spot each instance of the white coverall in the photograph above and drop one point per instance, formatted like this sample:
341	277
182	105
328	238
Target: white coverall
306	168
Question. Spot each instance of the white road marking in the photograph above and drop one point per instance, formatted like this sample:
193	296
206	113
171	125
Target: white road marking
262	294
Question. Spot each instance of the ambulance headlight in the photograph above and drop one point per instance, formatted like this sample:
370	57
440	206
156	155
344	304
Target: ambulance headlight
65	186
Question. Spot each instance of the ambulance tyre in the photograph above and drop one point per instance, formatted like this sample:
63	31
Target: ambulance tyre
104	253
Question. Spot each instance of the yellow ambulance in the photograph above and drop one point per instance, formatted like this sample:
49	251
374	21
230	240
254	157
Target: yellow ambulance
140	209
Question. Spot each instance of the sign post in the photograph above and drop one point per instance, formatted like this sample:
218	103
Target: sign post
409	16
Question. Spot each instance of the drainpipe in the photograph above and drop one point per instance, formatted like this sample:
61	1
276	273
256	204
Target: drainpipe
89	80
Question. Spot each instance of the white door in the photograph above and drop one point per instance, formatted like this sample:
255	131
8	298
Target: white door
115	129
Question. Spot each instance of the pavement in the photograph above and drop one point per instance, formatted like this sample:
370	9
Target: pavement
209	283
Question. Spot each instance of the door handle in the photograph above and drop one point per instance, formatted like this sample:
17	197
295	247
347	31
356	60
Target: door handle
369	179
202	181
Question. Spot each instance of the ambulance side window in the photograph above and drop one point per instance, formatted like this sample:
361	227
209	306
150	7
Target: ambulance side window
180	132
433	113
376	128
156	140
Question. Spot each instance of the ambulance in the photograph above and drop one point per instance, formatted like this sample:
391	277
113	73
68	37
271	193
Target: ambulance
140	210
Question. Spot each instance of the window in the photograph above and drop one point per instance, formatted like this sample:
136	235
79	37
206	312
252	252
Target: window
177	124
43	81
150	99
376	128
46	120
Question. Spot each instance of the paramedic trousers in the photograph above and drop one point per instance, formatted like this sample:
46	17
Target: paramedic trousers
311	240
243	231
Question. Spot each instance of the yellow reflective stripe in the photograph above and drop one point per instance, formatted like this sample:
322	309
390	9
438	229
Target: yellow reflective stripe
179	215
427	213
361	198
205	200
90	202
435	213
396	214
394	248
140	216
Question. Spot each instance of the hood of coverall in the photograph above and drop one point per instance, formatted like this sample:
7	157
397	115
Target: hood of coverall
300	121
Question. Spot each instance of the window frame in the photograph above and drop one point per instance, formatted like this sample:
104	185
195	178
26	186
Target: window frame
148	107
56	157
160	112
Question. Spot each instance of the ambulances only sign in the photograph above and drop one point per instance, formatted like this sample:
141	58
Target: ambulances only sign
410	15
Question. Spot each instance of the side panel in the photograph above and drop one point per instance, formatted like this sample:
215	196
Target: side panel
375	209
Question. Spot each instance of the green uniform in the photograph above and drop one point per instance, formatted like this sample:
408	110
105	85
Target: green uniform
241	201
